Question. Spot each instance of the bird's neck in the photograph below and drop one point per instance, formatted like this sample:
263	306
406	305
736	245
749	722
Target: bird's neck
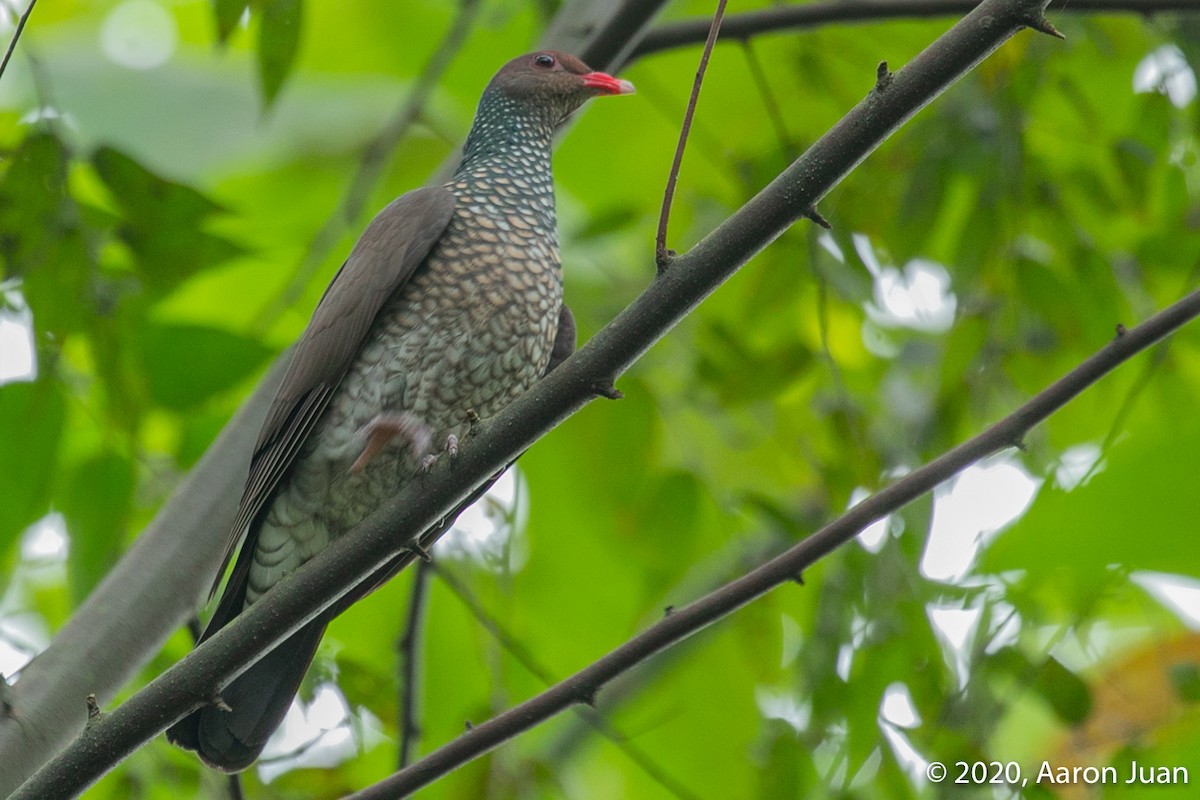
508	136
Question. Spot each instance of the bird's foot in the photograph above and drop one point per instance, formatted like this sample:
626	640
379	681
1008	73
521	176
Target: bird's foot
382	430
451	451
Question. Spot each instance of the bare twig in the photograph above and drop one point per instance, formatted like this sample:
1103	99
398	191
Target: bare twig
489	623
661	255
590	717
12	45
683	622
786	146
845	405
409	648
795	17
1134	393
373	162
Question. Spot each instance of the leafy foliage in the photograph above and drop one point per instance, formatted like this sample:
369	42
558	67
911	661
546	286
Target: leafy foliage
1051	199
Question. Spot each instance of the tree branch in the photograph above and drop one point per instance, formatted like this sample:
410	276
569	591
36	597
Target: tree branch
590	717
601	32
12	44
662	256
124	622
349	559
794	17
681	623
409	650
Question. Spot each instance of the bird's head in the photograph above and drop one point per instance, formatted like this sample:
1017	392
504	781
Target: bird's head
552	80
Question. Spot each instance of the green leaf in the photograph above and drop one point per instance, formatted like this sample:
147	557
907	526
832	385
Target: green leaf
606	222
40	235
31	426
96	503
162	222
788	767
228	13
741	373
1186	679
143	195
185	365
278	44
1064	691
31	201
1131	514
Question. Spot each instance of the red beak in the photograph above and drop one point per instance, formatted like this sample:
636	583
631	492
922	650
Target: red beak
607	84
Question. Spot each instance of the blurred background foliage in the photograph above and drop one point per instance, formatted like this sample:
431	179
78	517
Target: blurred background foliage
159	198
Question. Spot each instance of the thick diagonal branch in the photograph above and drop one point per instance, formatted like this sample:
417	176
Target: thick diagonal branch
672	294
125	620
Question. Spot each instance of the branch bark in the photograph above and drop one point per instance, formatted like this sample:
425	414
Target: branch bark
583	686
16	37
591	371
125	621
410	651
794	17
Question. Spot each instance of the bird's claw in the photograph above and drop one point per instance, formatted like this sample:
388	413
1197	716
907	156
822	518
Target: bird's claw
382	430
451	452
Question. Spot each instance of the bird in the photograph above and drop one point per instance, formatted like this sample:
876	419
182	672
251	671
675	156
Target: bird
447	308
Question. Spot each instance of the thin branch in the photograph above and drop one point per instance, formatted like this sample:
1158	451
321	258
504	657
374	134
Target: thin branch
409	648
489	623
701	578
583	686
374	160
12	45
846	409
796	17
1134	393
590	717
759	75
601	34
661	255
375	542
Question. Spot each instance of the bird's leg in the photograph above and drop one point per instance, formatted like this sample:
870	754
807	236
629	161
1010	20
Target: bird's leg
382	429
451	451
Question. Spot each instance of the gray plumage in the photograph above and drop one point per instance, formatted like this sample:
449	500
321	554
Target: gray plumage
448	307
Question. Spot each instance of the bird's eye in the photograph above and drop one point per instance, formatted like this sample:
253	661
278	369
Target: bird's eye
543	60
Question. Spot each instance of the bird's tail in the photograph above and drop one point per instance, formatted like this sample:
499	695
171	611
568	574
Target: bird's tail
230	739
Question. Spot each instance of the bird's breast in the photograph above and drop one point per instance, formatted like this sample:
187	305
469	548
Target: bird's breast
472	330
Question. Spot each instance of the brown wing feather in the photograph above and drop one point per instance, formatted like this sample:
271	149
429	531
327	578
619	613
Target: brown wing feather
387	254
564	339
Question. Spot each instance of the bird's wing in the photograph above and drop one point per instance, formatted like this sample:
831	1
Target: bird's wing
387	254
564	339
